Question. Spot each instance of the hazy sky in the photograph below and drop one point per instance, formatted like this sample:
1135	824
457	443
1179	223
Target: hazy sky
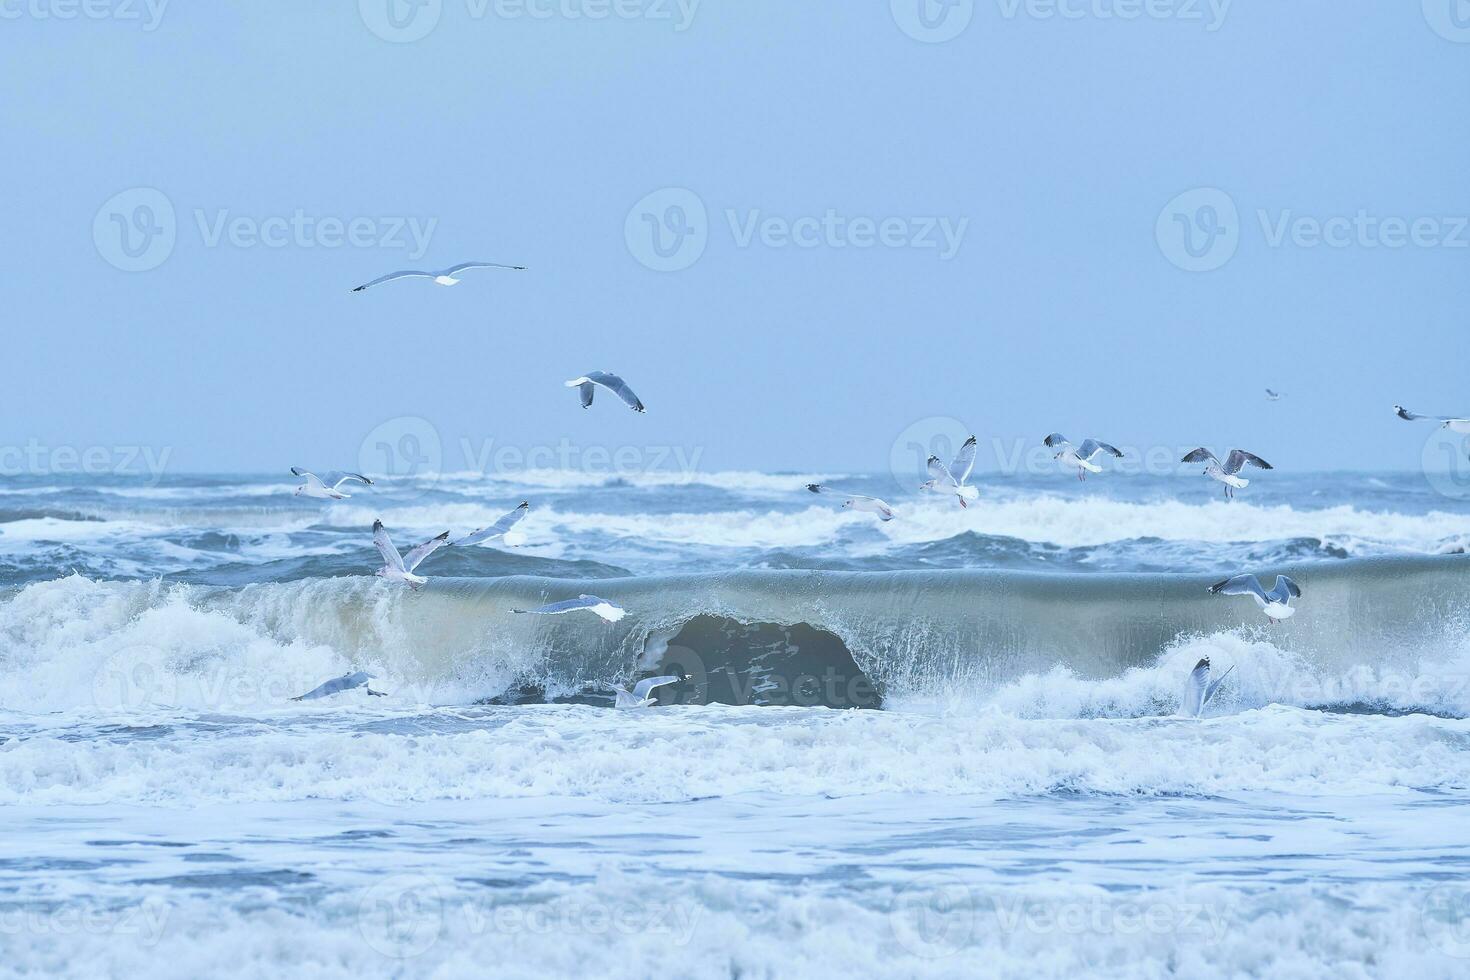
868	214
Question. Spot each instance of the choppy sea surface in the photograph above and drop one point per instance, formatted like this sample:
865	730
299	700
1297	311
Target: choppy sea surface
947	745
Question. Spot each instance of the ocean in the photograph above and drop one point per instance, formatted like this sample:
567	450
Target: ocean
948	745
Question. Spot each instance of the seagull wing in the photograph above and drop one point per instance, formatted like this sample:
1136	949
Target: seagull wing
1091	447
1284	589
617	386
1237	459
643	687
340	478
1214	685
1201	455
312	480
384	544
497	529
1195	688
585	389
938	471
565	606
456	269
418	554
1409	416
1057	441
1240	585
964	462
404	274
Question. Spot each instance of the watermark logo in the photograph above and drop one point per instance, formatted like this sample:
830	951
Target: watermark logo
1210	13
135	230
935	916
1450	19
1446	918
402	916
407	448
937	435
148	13
932	21
668	230
400	21
1445	462
1199	230
131	680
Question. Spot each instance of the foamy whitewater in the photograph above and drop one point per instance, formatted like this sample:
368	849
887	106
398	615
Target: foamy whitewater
946	746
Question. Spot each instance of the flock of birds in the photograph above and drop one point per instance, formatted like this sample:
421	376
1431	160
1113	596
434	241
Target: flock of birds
947	479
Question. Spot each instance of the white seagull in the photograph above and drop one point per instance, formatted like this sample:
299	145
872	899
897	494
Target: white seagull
607	610
400	568
1199	689
1227	473
1080	458
500	529
586	385
639	696
1273	396
315	486
856	501
1460	425
444	277
951	478
347	682
1276	604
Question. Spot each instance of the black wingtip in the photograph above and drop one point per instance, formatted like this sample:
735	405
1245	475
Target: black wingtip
378	524
524	505
1215	589
358	289
1403	413
814	487
1203	662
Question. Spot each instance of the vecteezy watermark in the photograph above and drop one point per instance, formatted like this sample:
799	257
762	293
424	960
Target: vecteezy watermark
1450	19
937	435
35	459
148	14
405	21
137	230
669	229
1201	229
938	915
405	916
1445	916
406	448
1445	462
144	921
932	21
1210	14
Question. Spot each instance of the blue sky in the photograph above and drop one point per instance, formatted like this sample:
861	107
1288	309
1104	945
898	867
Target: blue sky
895	226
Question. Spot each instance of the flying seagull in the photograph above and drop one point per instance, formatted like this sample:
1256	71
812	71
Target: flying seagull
1200	689
500	529
315	486
1458	425
639	696
586	384
1273	396
444	277
399	568
1276	604
1226	474
607	610
1080	457
951	478
856	501
337	685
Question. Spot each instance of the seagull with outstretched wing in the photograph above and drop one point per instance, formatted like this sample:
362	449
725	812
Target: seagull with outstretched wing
856	501
951	479
589	382
611	612
1276	604
1200	689
500	529
1080	457
1457	425
444	277
329	488
1228	472
639	697
400	568
347	682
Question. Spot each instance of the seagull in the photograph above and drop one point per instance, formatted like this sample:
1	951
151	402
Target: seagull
1200	689
1233	464
337	685
500	529
639	696
1273	396
316	487
856	501
1461	426
607	610
398	568
611	382
1080	458
1276	604
951	478
445	277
